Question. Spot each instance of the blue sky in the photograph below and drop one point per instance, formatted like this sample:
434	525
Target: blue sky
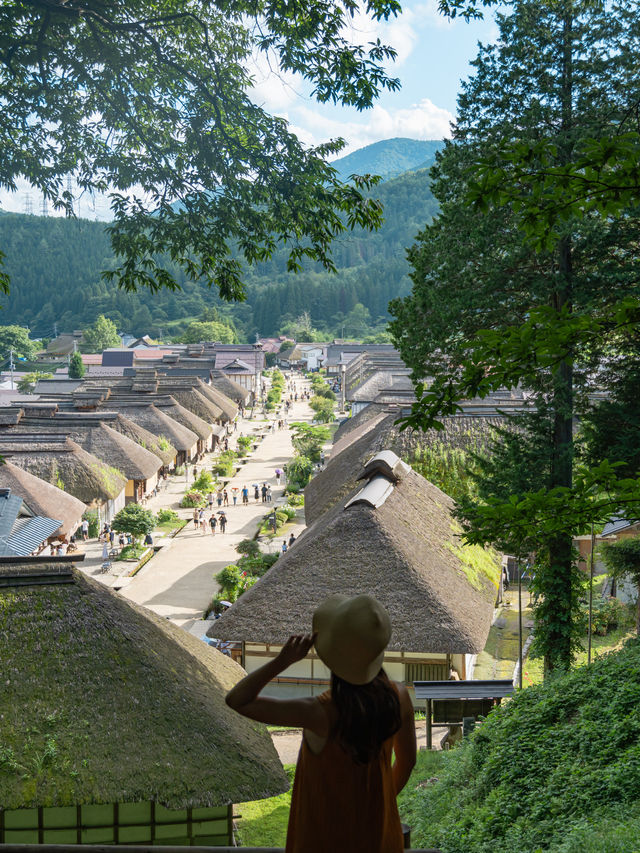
433	56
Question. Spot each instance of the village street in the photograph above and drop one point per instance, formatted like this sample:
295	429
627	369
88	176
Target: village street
178	582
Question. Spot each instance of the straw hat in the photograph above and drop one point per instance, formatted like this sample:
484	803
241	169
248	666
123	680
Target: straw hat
352	634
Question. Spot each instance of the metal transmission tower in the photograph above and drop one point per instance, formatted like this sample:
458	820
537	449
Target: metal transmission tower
44	209
28	204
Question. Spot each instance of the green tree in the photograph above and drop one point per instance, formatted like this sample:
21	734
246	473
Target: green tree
134	519
191	163
209	330
28	381
16	338
76	366
358	321
102	335
492	308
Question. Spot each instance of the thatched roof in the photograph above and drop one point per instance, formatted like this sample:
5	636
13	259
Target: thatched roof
381	432
349	424
155	420
166	452
228	405
195	402
175	410
404	551
134	704
232	390
41	498
58	460
96	437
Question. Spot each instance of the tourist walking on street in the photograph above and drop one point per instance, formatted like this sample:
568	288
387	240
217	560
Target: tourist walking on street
210	500
256	493
225	498
284	546
268	493
85	529
212	524
278	475
245	496
264	493
196	518
219	498
202	520
223	522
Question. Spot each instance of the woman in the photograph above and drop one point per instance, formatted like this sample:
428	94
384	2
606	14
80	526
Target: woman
344	794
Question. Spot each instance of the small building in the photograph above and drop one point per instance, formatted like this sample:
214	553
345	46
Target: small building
40	498
394	537
117	722
159	423
63	463
22	534
243	363
64	344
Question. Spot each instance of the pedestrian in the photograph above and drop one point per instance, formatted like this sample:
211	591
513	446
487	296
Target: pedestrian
225	498
284	546
226	444
212	524
121	540
112	536
245	496
85	529
235	498
350	732
268	493
196	518
263	491
210	500
278	473
148	539
292	539
201	519
223	522
219	498
256	493
195	473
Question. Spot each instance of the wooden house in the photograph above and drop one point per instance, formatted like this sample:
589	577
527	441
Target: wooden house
394	536
115	722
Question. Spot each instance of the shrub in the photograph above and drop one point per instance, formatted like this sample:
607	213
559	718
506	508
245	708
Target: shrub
294	499
245	443
248	547
224	464
299	471
134	519
289	511
323	409
179	469
166	515
192	499
204	483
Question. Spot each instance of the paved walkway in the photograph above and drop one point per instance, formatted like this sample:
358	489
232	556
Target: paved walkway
179	581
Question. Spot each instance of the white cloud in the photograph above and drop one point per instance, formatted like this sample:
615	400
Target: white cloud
423	120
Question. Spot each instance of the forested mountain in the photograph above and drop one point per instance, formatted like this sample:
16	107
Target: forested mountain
389	158
55	266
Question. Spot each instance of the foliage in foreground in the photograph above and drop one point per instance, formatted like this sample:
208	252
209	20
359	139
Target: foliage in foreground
553	767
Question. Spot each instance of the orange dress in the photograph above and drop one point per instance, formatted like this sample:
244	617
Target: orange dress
338	806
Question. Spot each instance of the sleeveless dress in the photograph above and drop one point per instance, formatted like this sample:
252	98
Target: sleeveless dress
339	806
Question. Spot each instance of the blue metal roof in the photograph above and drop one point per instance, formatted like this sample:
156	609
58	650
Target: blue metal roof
9	508
27	534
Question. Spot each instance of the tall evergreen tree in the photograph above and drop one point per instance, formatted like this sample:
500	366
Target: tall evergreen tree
491	308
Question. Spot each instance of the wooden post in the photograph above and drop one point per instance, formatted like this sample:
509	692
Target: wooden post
519	570
428	721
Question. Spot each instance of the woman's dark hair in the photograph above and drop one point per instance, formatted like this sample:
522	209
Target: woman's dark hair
368	714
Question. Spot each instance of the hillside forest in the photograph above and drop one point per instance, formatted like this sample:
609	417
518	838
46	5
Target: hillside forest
55	267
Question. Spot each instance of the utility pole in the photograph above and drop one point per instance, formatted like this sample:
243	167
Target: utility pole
11	366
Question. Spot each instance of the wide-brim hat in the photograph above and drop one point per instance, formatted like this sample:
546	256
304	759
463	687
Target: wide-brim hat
351	636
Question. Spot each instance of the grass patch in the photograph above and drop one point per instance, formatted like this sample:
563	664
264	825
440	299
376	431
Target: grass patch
263	823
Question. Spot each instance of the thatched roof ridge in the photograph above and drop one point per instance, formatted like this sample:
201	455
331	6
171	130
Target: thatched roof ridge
10	415
109	445
354	449
228	405
166	453
135	704
156	421
183	416
405	552
41	497
349	424
63	462
196	403
231	389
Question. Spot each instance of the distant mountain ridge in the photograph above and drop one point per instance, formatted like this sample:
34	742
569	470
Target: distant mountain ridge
389	157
